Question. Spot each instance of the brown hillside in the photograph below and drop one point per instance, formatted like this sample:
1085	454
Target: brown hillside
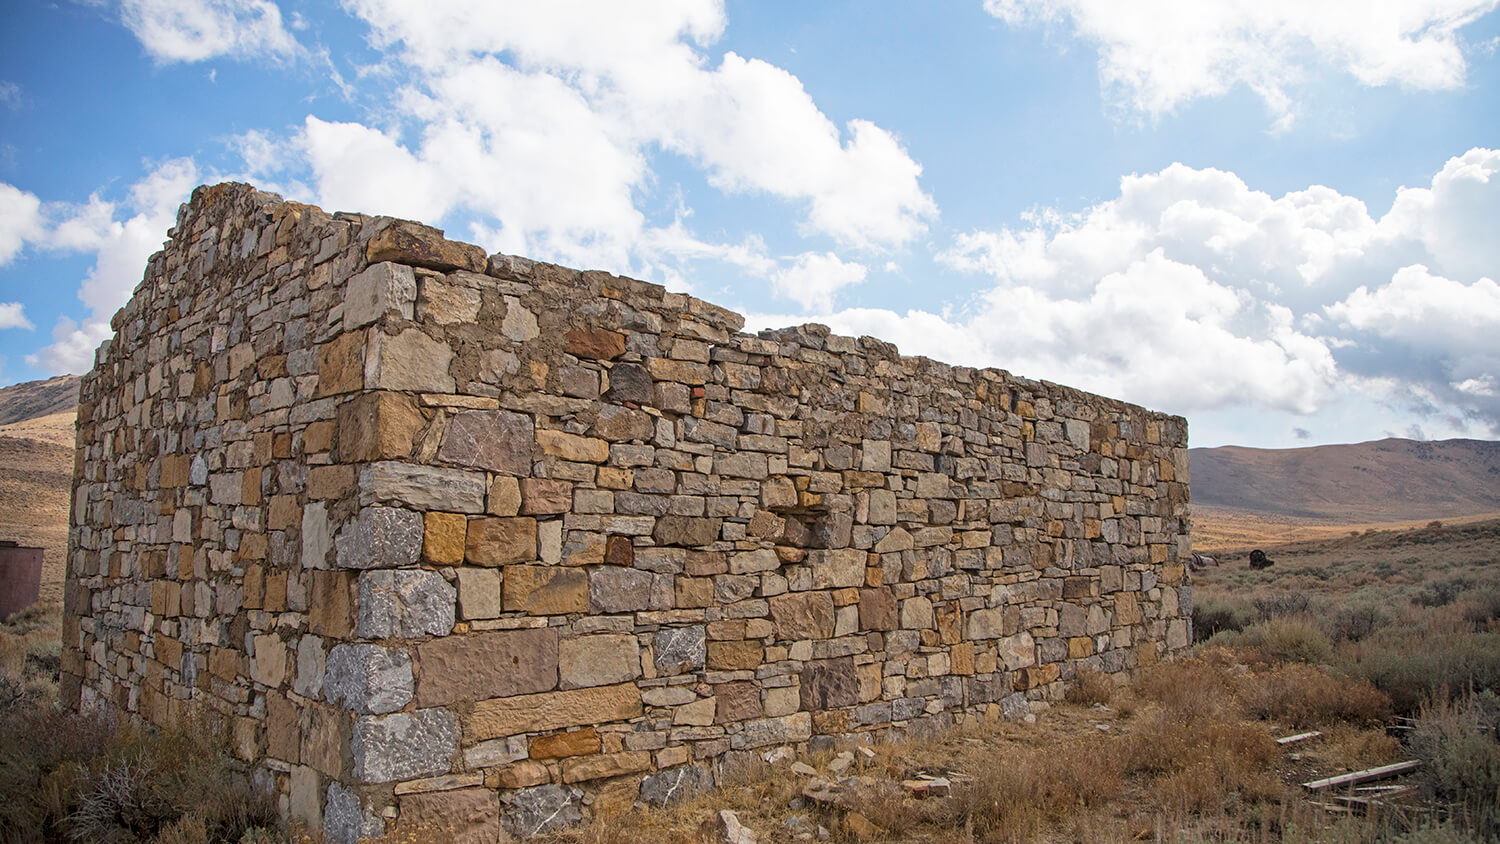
1382	481
34	399
35	482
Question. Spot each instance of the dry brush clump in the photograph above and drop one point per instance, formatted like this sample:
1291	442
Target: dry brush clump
1307	696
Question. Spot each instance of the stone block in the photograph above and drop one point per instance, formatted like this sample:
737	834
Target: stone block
462	816
600	660
409	361
803	615
738	701
445	303
478	593
594	343
368	679
679	650
379	425
836	569
629	382
423	488
510	716
346	819
828	684
545	590
492	440
331	603
674	785
494	541
685	531
268	663
623	424
341	365
582	742
734	656
571	447
476	666
383	289
403	745
535	811
380	537
605	765
443	538
786	729
406	242
405	604
877	609
542	496
615	590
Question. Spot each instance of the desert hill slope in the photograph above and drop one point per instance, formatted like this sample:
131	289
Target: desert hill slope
36	469
34	399
1384	480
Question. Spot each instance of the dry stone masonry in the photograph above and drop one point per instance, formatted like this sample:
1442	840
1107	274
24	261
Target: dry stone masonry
474	541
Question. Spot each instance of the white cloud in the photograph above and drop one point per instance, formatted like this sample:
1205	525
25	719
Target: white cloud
13	315
814	278
1159	54
20	221
1191	291
196	30
121	248
542	121
10	94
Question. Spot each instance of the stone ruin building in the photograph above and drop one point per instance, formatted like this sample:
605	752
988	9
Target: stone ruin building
441	537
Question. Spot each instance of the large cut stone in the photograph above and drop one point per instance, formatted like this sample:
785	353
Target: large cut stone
622	424
406	242
379	425
629	382
545	590
422	488
530	812
1018	651
498	541
803	615
408	361
680	649
844	567
368	679
382	289
595	343
877	609
404	745
494	440
380	537
512	716
543	496
572	447
446	303
346	820
405	604
463	816
598	660
786	729
605	765
829	684
476	666
613	589
686	531
674	785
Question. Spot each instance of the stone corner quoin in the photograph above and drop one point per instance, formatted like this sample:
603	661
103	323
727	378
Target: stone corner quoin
443	537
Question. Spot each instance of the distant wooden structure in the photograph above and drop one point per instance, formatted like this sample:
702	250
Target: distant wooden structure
20	577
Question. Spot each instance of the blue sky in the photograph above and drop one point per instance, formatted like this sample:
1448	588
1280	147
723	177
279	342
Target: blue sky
1279	219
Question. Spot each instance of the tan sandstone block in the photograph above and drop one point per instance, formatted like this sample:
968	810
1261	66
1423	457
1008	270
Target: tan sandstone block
462	816
572	447
379	425
511	716
545	590
582	742
586	768
499	541
444	537
734	656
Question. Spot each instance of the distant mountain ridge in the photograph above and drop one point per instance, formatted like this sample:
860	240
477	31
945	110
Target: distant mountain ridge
1384	480
35	399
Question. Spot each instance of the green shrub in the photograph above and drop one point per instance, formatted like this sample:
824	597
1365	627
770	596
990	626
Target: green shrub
1289	639
1355	622
1458	742
1411	665
1212	614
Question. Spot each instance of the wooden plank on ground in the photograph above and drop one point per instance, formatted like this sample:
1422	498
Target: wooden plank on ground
1364	776
1298	737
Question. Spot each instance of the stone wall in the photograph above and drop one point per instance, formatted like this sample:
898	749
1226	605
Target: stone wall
443	536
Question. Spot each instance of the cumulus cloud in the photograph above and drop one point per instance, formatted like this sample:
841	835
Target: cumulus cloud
546	123
1157	55
20	221
121	236
814	278
1193	292
13	315
196	30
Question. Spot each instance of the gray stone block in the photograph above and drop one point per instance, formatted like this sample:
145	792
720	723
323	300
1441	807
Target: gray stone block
403	746
368	679
405	604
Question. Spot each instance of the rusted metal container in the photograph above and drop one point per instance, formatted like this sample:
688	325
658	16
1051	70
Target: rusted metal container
20	577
